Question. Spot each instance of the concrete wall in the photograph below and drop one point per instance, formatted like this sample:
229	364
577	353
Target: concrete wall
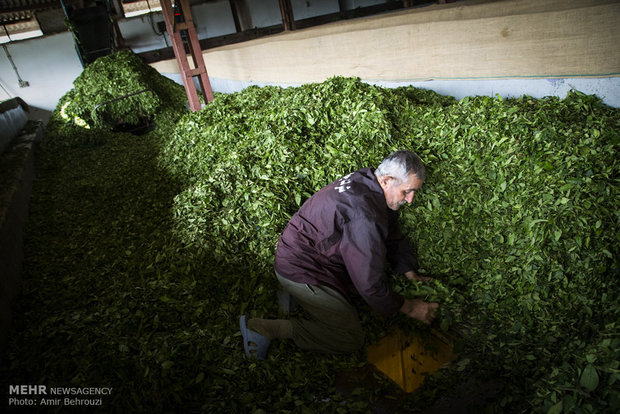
141	33
213	19
49	64
264	13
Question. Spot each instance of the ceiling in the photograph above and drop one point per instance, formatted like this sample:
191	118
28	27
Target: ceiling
14	11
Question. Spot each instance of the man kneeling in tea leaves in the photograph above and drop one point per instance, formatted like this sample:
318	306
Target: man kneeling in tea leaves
343	235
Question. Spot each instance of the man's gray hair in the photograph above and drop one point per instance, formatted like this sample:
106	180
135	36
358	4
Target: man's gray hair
400	165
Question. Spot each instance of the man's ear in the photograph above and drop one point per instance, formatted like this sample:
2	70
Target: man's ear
385	180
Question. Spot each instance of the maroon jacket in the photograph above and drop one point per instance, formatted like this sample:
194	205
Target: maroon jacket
344	233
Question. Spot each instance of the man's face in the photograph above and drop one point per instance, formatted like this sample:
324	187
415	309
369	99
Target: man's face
397	194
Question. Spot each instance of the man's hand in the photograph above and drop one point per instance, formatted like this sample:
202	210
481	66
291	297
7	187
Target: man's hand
420	310
412	275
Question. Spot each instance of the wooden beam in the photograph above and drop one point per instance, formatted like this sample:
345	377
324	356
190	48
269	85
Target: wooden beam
234	8
288	19
241	15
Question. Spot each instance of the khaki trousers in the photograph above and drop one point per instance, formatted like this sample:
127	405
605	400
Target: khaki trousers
334	325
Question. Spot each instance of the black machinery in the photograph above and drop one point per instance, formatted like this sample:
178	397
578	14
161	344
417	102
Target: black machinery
92	27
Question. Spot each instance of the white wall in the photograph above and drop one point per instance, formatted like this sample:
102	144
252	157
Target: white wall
140	32
264	13
49	64
213	19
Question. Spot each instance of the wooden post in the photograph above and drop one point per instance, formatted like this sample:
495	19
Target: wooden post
241	15
288	20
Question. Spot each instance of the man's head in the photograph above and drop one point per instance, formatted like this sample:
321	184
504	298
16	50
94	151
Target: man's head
400	175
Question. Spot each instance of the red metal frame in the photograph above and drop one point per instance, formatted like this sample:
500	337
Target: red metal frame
174	31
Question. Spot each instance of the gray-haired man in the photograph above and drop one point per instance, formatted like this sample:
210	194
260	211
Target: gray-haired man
342	236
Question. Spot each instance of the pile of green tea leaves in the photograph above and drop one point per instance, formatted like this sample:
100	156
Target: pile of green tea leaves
115	89
143	251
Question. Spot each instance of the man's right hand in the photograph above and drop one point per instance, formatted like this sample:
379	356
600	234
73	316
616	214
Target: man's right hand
420	310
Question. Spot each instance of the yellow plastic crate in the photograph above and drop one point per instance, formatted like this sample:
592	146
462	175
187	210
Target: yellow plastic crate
408	360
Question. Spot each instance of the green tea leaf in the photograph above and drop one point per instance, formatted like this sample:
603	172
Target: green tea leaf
589	378
556	408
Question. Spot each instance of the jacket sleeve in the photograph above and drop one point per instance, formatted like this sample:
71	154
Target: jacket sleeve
399	252
364	252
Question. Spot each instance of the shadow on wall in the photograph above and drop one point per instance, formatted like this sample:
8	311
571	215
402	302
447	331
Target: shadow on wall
39	114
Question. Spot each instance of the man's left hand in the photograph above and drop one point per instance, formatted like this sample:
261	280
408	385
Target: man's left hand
412	275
